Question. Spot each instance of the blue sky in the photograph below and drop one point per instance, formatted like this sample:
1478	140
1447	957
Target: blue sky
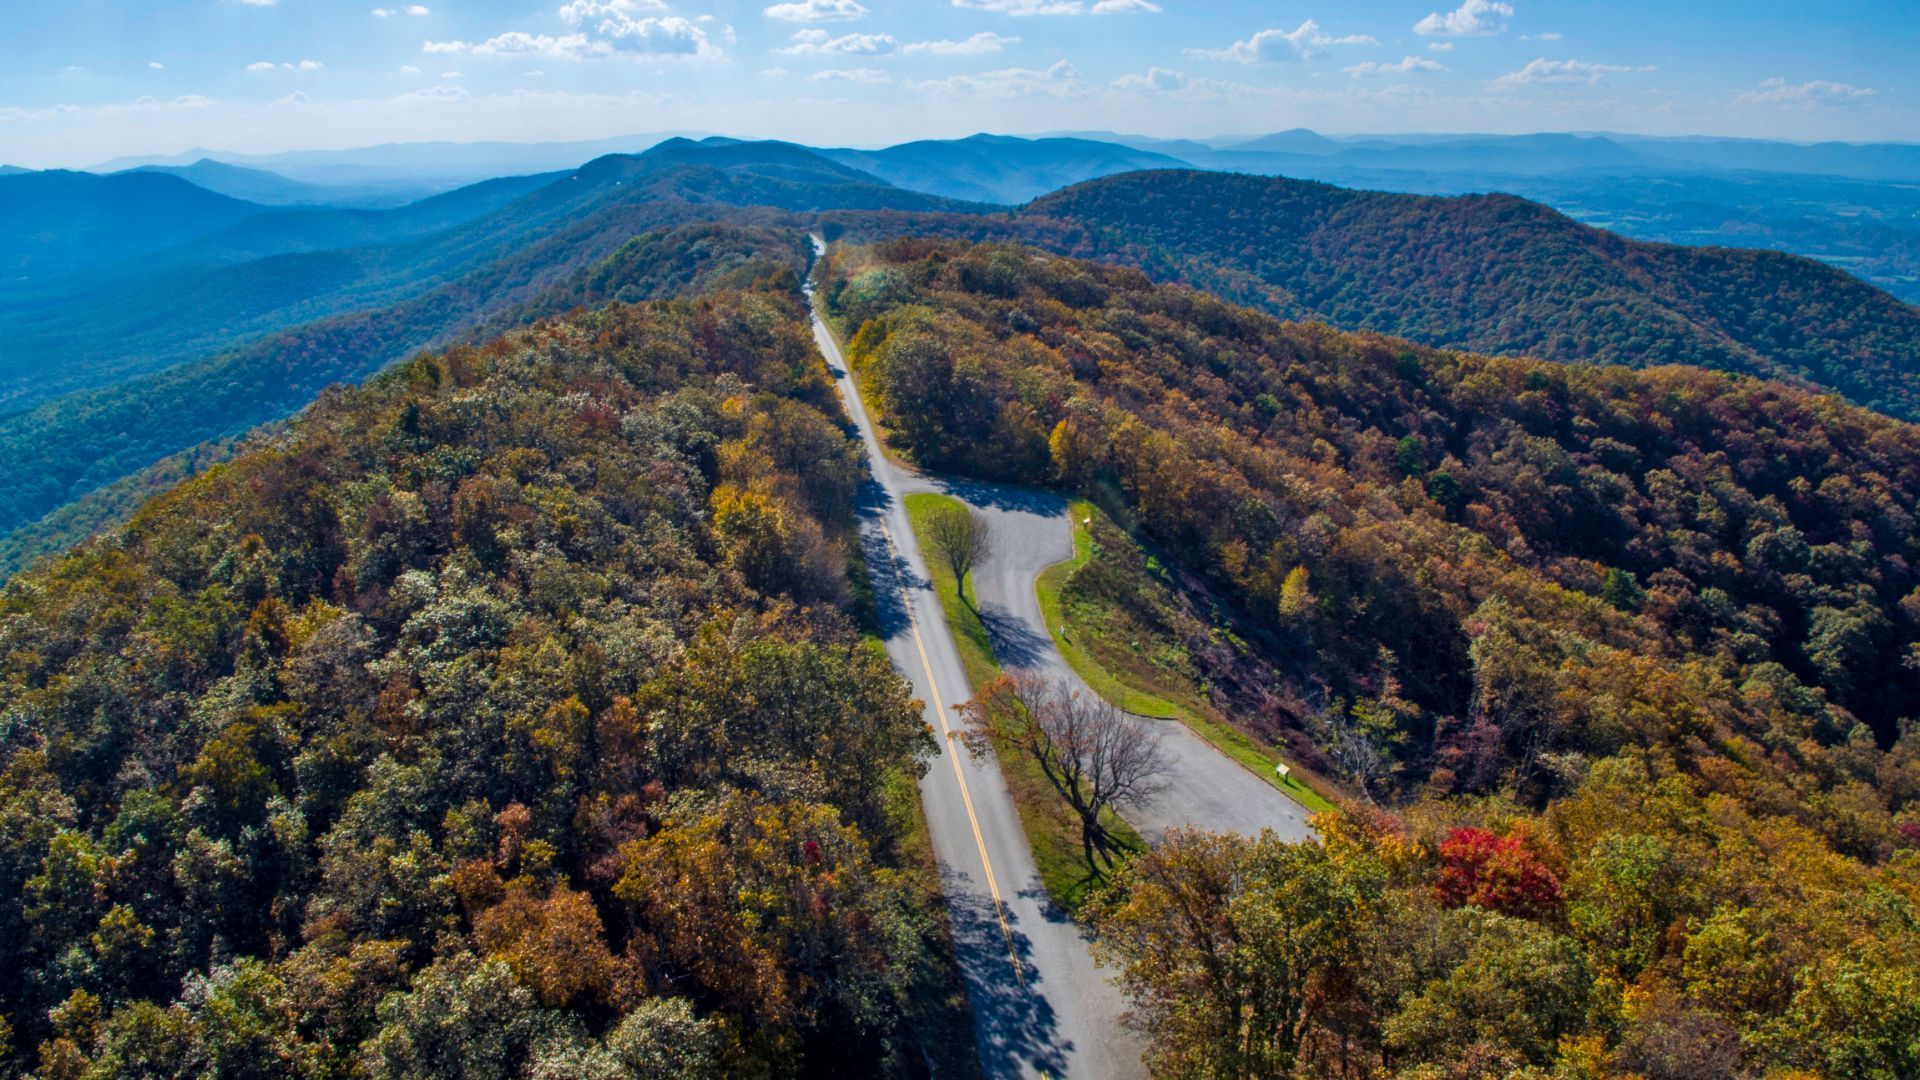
84	80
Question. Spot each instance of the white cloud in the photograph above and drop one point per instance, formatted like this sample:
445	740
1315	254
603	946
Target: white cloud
259	3
620	32
820	43
985	42
1060	80
1440	46
1304	42
1777	91
859	75
409	69
1473	18
439	93
453	74
296	65
411	9
1405	67
156	65
1024	7
575	11
1157	79
1563	71
1061	7
609	28
1545	35
773	73
817	11
519	42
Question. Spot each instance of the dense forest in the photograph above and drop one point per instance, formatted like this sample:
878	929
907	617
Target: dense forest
1624	663
503	717
1490	273
59	451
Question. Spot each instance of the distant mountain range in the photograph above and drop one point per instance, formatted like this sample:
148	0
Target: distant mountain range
1545	152
434	165
58	221
1843	203
998	168
178	351
144	314
273	189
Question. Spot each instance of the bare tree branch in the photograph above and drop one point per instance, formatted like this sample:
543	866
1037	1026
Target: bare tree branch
1095	755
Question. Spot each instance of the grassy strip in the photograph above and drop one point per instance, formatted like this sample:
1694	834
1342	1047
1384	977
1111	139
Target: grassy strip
1228	739
1052	831
963	616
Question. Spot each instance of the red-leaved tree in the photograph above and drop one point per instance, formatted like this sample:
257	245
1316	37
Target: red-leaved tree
1499	873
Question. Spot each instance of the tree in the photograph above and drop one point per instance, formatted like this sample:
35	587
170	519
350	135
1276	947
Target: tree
1232	947
1499	873
1519	988
1096	756
960	537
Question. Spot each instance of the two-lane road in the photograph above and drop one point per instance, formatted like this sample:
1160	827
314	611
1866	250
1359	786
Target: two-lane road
1041	1007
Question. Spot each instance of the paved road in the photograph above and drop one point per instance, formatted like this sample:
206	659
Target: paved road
1205	788
1040	1005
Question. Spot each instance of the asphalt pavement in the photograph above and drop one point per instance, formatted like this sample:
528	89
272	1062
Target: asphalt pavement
1040	1005
1031	531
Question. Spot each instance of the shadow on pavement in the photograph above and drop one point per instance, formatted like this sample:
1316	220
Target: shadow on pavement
1015	644
1015	1025
999	497
888	570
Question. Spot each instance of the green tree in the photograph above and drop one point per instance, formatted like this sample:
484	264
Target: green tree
1232	947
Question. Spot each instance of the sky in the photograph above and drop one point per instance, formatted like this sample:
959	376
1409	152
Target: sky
82	81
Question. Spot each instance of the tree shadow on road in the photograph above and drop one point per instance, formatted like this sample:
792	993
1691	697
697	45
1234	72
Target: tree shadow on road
889	573
1014	1023
1015	644
1000	497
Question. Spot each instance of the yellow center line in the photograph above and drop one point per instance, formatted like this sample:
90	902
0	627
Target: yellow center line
946	735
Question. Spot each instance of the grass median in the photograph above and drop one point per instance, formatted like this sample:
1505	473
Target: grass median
1052	831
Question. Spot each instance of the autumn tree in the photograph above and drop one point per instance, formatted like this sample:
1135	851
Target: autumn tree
1232	947
1099	759
960	537
1499	873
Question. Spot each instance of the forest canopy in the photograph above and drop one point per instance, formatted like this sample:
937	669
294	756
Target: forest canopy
503	718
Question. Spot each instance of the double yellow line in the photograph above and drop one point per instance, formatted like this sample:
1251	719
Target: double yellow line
947	739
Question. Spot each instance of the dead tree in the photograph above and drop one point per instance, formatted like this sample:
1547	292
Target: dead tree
1095	755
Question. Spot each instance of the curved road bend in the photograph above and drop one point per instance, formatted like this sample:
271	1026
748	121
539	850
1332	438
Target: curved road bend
1204	788
1040	1006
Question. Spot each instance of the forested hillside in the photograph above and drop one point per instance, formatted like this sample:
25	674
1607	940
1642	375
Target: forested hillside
58	220
1500	274
238	345
63	449
1628	660
504	718
1489	273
